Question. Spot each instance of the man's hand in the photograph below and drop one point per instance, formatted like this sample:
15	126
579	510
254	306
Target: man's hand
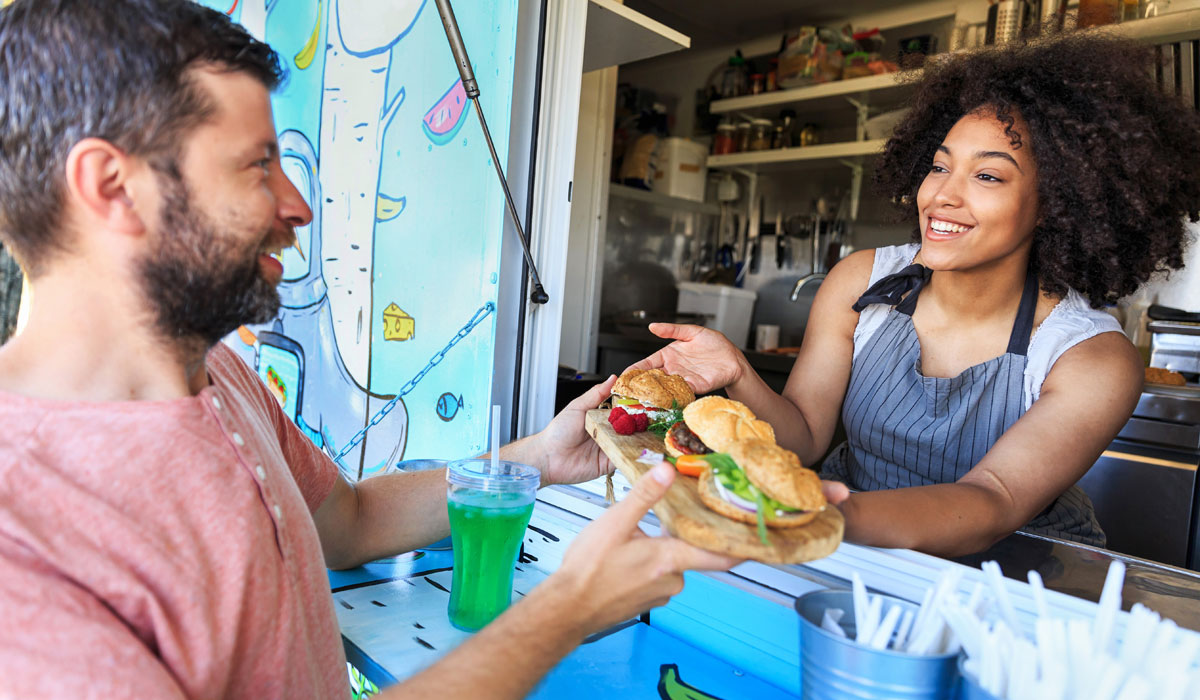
613	571
566	454
703	357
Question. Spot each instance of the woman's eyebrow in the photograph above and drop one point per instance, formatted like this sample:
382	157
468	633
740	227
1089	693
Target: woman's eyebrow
981	155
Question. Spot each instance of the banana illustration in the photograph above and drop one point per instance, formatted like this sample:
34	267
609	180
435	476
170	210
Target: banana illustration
304	59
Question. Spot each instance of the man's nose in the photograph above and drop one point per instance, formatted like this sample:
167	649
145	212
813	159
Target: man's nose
290	205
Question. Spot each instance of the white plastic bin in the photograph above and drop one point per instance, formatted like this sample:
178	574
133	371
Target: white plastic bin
730	308
681	168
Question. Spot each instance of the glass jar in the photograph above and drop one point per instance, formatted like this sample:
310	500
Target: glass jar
777	137
723	142
742	140
761	133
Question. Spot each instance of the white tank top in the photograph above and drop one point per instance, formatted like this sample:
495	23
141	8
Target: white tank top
1071	321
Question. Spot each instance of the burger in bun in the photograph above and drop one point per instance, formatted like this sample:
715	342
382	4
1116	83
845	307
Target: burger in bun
651	391
760	483
713	423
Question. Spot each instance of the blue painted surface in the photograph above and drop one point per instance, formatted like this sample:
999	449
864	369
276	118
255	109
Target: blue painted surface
755	634
627	665
393	618
391	568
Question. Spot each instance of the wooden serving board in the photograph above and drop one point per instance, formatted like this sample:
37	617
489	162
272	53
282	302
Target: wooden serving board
685	516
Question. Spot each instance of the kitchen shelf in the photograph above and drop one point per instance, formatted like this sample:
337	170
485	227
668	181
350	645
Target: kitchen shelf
821	155
1168	28
823	96
662	201
617	35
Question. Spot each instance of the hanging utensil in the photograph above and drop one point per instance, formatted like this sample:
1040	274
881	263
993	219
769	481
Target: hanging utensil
459	49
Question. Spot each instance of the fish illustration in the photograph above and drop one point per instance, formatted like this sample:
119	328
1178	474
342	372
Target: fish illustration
445	118
448	405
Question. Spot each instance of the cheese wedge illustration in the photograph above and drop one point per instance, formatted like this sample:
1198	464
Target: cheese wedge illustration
397	324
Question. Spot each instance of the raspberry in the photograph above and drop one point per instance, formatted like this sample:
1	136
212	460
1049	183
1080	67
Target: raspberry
641	421
622	422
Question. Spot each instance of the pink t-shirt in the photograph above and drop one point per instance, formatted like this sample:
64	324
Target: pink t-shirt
164	549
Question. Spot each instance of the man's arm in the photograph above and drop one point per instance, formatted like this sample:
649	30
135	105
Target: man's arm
612	572
399	512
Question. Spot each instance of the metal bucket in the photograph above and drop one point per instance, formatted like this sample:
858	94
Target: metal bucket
968	689
420	465
834	668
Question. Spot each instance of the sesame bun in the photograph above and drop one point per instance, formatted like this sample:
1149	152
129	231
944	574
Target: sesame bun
778	473
712	499
654	387
719	421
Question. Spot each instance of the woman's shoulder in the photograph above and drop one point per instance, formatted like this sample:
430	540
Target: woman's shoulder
1071	324
863	268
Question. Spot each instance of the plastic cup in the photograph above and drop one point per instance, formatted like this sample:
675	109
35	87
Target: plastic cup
489	510
836	668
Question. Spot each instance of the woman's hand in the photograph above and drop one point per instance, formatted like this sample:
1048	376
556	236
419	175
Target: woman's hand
703	357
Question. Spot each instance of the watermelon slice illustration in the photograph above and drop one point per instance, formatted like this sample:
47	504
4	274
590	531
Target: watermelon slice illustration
446	117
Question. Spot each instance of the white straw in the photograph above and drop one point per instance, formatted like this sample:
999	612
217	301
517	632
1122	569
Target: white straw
861	603
1110	605
883	633
1039	595
495	438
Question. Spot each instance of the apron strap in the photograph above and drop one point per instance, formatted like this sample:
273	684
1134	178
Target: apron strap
1018	341
890	290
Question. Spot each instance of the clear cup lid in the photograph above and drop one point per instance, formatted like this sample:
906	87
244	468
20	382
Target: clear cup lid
507	476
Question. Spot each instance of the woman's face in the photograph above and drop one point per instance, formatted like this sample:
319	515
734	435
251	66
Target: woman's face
978	204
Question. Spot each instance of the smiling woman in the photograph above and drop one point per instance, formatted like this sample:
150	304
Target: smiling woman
975	376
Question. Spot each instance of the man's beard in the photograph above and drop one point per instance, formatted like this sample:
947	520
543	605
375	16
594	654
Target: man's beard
201	284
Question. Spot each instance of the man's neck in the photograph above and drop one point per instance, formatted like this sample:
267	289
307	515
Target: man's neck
85	342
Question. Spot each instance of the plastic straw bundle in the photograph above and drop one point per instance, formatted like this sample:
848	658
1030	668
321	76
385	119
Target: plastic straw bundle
1073	659
922	633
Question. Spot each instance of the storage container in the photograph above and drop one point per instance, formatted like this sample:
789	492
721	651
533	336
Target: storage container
681	168
836	668
728	309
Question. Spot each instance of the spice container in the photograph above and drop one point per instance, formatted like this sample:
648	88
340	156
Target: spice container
724	141
742	137
761	133
777	138
756	83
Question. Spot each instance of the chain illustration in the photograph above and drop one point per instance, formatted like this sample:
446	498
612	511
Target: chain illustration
483	312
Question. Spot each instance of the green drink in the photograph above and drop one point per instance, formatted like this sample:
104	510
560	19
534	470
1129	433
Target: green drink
489	511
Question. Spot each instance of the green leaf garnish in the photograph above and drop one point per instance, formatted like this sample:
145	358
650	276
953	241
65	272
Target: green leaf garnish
761	501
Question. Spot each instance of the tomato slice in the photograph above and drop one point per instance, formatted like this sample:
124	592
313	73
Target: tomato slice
691	465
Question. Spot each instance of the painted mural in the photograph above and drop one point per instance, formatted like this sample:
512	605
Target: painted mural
388	298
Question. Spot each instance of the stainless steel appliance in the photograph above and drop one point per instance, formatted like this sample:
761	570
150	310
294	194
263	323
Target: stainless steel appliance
1175	345
1144	486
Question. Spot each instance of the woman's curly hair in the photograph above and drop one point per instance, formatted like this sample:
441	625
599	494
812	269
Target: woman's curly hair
1118	161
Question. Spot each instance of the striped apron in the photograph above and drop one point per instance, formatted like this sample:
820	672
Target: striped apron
905	429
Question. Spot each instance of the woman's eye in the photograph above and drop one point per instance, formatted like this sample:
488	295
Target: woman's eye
989	178
937	169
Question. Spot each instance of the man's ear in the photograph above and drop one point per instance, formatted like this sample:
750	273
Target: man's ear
101	184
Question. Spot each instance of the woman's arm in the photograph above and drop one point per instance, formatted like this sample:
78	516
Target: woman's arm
1085	400
805	416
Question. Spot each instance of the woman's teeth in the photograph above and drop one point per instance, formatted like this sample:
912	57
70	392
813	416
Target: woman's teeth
947	227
